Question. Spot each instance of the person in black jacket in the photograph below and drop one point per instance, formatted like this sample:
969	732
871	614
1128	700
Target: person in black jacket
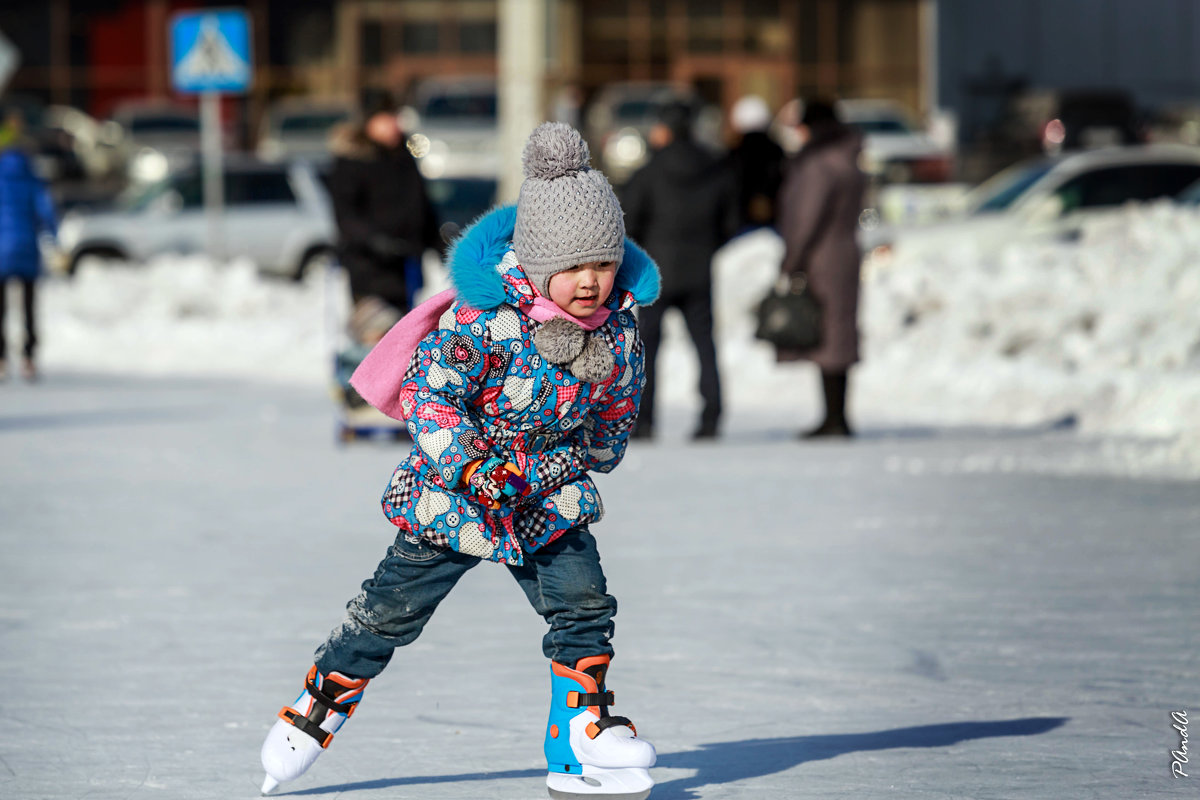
757	162
681	207
384	217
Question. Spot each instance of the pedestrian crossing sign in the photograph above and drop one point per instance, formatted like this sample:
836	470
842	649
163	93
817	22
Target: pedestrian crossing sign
210	51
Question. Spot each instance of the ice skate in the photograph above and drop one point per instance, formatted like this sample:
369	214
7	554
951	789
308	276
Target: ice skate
306	727
592	755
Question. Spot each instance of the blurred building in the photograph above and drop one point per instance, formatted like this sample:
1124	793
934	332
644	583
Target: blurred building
989	50
966	56
1027	77
94	54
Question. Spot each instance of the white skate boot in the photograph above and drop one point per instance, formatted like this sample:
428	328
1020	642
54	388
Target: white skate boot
591	754
306	727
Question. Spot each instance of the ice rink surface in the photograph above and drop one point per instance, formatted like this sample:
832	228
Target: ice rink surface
924	612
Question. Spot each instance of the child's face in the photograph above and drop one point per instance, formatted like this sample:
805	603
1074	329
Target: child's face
582	289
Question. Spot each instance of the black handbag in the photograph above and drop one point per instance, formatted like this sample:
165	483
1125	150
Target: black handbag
789	317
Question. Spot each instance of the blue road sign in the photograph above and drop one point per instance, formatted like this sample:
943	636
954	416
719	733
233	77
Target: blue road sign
210	51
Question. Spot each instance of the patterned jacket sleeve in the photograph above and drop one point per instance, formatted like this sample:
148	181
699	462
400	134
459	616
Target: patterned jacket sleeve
444	375
614	415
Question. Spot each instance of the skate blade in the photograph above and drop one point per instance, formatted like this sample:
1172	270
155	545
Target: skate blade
632	783
561	795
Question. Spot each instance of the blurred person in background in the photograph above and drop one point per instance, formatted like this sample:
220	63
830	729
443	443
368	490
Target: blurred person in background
26	211
819	207
756	162
568	101
681	206
370	320
384	216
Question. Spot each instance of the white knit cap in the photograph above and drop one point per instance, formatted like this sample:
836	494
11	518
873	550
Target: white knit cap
750	113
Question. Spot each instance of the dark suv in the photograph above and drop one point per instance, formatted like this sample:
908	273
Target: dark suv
1053	122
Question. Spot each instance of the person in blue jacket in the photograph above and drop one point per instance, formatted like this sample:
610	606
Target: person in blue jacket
26	210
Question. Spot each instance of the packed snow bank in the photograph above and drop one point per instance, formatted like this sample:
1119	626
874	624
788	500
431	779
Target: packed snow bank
184	315
1103	332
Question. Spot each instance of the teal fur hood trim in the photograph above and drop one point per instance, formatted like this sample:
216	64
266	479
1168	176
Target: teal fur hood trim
475	255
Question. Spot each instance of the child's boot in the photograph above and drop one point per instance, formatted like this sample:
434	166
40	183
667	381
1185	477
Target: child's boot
589	751
306	727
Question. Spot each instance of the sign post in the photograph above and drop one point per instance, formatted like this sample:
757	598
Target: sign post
210	54
10	59
522	60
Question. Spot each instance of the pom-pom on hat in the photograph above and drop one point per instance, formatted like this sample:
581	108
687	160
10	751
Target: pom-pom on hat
567	212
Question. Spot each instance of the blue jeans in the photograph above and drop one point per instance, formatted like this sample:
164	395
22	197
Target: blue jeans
563	581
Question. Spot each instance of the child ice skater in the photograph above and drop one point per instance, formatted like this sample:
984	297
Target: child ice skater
514	386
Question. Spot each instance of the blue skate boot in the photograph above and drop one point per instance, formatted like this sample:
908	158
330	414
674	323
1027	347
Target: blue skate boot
306	727
592	754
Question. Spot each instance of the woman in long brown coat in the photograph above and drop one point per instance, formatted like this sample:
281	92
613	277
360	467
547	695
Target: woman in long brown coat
819	207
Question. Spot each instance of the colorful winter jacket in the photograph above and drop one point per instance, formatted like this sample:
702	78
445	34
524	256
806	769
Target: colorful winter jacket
477	386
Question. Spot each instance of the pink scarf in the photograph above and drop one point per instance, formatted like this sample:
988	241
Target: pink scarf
543	310
379	376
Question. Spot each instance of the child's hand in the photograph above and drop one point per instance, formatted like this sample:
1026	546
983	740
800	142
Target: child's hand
492	481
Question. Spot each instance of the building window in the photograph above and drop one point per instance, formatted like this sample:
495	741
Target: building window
699	9
371	35
705	26
705	36
766	32
762	9
610	9
477	36
420	38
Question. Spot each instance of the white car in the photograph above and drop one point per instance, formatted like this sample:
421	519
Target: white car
454	131
895	149
1045	198
619	119
300	129
277	215
159	138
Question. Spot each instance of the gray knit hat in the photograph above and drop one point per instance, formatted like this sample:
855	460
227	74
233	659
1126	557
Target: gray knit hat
567	213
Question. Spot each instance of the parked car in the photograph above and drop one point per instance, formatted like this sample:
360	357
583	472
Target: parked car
300	129
1177	122
277	215
1053	122
619	118
1190	196
454	130
458	201
96	145
1047	197
895	148
51	149
159	138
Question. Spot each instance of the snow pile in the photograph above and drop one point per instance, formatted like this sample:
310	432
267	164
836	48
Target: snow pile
1103	332
183	315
